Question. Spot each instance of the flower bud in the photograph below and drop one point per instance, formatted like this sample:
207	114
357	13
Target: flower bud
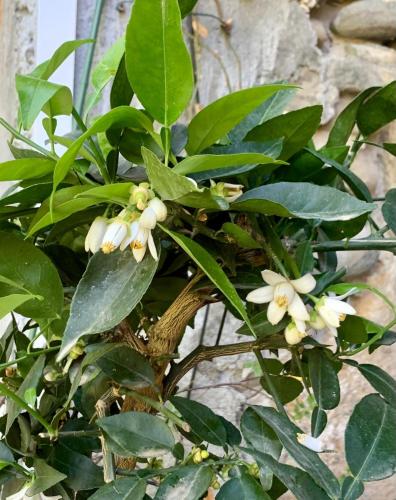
293	335
76	352
114	235
95	235
140	195
159	208
197	457
316	321
204	454
148	219
232	191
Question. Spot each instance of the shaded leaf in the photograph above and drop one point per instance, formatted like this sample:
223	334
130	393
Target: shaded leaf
258	434
324	379
351	489
45	476
380	380
128	488
26	168
389	209
243	487
187	483
378	110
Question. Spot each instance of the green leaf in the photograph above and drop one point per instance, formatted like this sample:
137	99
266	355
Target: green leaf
302	200
161	75
11	302
202	163
258	434
296	128
262	327
378	110
370	440
45	476
126	366
390	147
28	196
35	93
288	388
110	289
135	433
30	382
241	237
26	168
118	192
104	71
187	483
243	487
351	489
6	456
304	257
127	488
270	108
309	460
324	379
186	6
213	271
297	481
381	381
121	91
389	209
204	423
48	67
121	117
32	271
218	118
82	474
318	421
343	126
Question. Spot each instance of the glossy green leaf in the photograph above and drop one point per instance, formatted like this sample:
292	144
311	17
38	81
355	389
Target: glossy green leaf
390	147
126	366
28	196
110	289
161	75
297	481
304	257
112	193
6	456
127	488
45	476
346	120
272	107
32	272
202	163
259	435
48	67
351	488
30	382
370	440
212	269
242	487
26	168
234	437
82	474
318	421
380	380
121	91
302	200
324	379
121	117
11	302
135	433
288	388
378	110
239	235
104	71
269	148
204	423
309	460
34	93
218	118
296	128
186	6
187	483
389	209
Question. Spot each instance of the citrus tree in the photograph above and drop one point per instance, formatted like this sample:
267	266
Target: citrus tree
113	238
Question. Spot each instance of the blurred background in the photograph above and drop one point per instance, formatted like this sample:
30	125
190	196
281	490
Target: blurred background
333	49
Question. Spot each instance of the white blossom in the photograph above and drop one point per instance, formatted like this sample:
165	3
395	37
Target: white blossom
282	295
295	332
114	235
159	208
95	234
310	442
148	219
332	310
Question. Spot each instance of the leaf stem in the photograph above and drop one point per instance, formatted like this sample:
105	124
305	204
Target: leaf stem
34	413
27	356
386	244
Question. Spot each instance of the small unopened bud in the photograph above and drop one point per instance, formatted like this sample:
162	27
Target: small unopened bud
204	454
159	208
197	457
76	352
10	371
293	335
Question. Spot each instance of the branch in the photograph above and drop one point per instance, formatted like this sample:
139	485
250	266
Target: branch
205	353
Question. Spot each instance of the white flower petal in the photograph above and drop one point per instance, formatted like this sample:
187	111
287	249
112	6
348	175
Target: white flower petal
305	284
275	313
297	309
329	316
339	306
152	247
272	278
148	219
293	335
261	295
310	442
95	234
159	208
301	326
114	235
139	253
283	294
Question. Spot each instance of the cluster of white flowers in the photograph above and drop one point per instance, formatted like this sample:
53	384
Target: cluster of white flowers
133	226
283	297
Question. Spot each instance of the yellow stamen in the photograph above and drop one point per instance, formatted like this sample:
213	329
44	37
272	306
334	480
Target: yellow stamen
137	245
341	316
281	301
108	247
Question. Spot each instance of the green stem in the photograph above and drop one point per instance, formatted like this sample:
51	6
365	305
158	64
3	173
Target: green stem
159	407
297	360
74	434
366	244
27	141
27	356
34	413
267	378
376	337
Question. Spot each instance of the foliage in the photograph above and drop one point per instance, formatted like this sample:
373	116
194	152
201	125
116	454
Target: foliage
110	247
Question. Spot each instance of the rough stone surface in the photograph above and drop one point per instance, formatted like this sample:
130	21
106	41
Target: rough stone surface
367	19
